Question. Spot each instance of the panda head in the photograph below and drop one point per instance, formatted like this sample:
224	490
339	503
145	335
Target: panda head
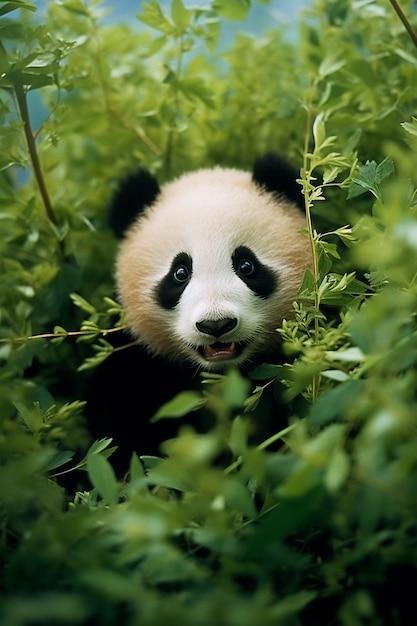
212	262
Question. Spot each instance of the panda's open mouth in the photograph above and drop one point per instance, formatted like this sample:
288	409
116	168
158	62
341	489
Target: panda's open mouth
220	351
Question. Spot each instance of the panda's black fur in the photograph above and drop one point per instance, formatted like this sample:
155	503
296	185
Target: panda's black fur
140	188
137	191
128	388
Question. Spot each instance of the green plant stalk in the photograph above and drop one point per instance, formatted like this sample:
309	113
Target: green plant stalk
24	114
314	257
262	446
404	20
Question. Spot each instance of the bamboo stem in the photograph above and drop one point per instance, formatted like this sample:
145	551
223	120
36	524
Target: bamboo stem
24	114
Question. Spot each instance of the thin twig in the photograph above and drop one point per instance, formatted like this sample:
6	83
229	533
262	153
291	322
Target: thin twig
70	333
407	25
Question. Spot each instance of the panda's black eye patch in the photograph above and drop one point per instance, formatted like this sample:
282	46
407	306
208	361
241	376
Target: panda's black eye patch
169	290
258	277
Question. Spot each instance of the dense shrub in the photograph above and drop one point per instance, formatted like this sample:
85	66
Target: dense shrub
321	532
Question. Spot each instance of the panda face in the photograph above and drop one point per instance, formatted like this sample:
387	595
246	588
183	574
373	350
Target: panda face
209	301
207	273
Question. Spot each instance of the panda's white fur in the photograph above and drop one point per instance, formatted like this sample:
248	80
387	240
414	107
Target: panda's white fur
208	215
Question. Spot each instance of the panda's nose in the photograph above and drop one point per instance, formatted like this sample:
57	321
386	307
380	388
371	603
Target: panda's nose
217	328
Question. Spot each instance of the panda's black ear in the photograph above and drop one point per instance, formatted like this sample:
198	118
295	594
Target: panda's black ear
273	173
134	193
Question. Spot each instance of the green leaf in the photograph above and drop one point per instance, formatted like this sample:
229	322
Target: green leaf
163	476
337	470
94	361
332	63
99	446
17	4
4	62
410	127
107	583
325	252
345	234
28	79
103	478
239	498
350	355
136	471
384	170
330	249
238	438
196	88
319	130
293	604
307	287
59	459
338	375
265	371
370	176
235	389
32	416
334	403
180	15
61	334
183	403
77	7
154	17
232	9
364	180
252	401
11	30
150	462
289	517
82	304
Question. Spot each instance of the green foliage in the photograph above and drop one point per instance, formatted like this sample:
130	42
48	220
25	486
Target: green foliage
322	531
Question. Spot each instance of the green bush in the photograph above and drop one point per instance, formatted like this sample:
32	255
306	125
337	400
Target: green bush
322	532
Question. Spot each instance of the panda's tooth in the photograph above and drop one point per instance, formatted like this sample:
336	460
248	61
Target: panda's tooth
220	350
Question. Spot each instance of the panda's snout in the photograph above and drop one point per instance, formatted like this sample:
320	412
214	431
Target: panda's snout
217	328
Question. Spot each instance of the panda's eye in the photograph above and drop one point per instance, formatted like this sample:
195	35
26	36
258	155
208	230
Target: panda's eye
246	267
259	278
181	274
169	290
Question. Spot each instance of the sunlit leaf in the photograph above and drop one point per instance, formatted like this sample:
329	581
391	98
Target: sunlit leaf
103	477
7	7
182	404
153	16
238	436
232	9
180	15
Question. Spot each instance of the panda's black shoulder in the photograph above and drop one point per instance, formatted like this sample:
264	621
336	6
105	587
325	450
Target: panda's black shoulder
274	174
134	193
121	399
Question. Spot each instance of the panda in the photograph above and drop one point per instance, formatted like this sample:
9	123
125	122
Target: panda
207	268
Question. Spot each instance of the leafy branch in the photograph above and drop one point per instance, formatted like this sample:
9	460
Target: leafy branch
16	77
182	27
61	333
329	164
111	107
90	330
27	126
